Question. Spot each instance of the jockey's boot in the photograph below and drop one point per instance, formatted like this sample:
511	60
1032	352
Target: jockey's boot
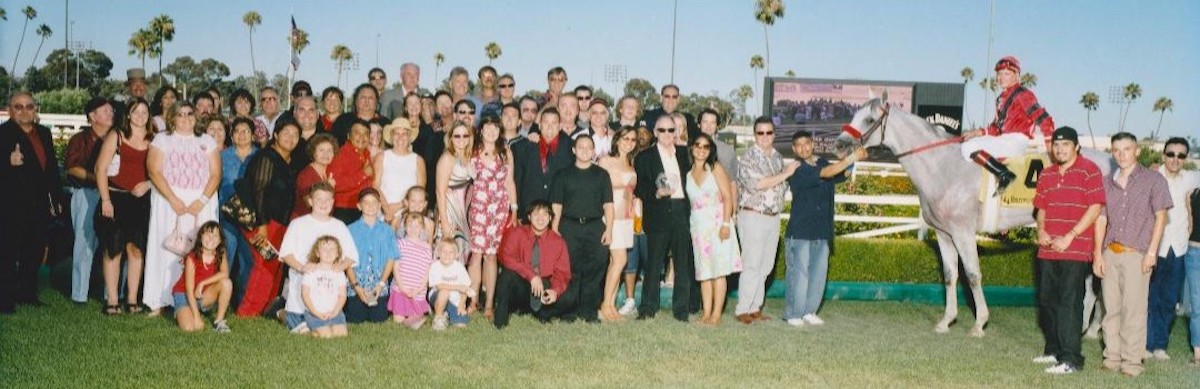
1003	175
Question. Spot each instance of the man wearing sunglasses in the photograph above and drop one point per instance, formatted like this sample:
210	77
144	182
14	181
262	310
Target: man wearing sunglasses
666	222
505	94
761	182
670	104
1167	280
33	196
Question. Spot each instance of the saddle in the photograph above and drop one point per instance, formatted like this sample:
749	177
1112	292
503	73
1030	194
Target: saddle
1018	195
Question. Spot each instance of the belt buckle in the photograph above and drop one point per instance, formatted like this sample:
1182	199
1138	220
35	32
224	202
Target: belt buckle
1116	247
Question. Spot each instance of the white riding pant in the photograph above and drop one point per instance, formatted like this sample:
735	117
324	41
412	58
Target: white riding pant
1010	145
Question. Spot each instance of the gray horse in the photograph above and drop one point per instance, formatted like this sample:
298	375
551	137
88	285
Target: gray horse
948	187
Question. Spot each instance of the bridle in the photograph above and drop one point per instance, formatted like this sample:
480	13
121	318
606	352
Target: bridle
881	126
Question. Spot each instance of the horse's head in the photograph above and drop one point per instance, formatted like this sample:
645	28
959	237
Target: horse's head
866	128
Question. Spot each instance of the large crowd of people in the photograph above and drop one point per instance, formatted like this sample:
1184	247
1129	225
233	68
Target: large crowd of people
455	206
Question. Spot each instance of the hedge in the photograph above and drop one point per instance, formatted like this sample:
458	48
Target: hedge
917	262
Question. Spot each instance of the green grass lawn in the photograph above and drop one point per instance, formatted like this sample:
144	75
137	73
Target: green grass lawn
864	344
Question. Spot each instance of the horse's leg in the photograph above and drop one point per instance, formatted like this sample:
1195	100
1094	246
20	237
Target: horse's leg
970	260
1093	309
950	280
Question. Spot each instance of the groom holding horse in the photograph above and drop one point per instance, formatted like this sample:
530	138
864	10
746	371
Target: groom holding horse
1017	113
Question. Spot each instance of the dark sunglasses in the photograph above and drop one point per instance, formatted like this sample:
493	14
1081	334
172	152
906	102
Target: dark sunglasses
764	132
506	86
666	130
1172	154
460	136
466	112
23	107
378	78
702	146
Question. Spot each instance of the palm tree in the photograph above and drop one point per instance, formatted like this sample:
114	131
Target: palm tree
340	55
301	41
766	12
141	44
967	74
1029	80
44	32
790	73
1162	105
1090	101
743	94
252	19
30	14
163	28
1132	92
988	84
492	50
438	58
3	14
756	63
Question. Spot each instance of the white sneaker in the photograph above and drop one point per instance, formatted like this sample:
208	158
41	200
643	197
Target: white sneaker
440	323
1045	360
1160	355
798	322
812	319
629	307
221	327
1060	369
300	329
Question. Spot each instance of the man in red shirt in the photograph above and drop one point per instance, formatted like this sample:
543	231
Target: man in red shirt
537	269
1070	196
1017	113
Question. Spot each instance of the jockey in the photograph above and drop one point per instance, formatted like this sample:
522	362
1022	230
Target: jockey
1017	113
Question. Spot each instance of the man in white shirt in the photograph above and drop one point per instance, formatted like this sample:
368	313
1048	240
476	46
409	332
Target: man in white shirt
1166	282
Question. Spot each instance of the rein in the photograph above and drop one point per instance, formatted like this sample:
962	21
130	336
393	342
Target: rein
881	126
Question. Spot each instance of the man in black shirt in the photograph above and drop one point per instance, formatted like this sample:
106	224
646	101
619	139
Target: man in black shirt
670	104
582	200
536	163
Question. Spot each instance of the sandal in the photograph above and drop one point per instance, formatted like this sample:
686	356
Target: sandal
134	308
111	310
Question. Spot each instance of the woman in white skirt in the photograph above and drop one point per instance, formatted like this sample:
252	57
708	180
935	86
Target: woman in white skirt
619	164
185	168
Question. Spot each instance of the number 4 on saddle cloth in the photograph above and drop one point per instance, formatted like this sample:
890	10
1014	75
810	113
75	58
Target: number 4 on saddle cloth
1018	195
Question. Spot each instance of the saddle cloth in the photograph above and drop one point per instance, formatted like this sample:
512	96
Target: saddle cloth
1020	193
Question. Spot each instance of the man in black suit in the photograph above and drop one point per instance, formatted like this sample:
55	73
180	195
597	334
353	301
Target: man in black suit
536	163
660	170
670	104
32	195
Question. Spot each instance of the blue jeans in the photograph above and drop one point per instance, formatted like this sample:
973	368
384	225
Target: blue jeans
1166	282
241	260
807	267
636	253
83	210
1192	270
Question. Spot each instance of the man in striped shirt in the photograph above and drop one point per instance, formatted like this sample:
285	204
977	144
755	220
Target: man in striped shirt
1070	195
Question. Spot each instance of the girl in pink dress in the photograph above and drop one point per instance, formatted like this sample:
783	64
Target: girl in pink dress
407	301
491	201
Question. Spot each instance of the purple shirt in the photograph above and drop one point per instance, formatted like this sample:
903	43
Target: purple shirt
1130	210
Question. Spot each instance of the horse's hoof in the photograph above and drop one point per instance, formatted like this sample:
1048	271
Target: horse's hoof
975	332
1093	335
941	329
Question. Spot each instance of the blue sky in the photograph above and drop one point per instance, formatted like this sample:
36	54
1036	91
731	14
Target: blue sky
1072	46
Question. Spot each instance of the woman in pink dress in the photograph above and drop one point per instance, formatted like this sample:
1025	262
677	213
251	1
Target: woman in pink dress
491	201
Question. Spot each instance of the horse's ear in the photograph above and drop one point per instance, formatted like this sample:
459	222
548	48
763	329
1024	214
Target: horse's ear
870	93
885	96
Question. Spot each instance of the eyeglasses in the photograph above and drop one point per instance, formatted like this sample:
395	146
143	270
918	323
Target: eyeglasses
23	107
670	96
666	130
1172	154
270	98
373	78
764	133
506	86
460	136
466	112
